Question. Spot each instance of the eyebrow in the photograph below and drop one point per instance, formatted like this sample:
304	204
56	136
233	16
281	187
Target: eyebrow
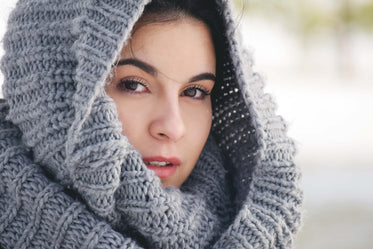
140	64
153	71
203	76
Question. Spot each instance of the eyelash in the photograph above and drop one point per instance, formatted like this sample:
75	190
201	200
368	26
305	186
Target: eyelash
205	92
122	87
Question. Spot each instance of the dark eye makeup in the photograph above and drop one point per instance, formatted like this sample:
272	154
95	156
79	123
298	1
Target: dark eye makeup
196	92
134	85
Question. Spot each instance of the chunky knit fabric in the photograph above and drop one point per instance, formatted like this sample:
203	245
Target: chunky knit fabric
70	179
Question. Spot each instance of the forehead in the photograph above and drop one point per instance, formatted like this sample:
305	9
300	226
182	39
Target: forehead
178	47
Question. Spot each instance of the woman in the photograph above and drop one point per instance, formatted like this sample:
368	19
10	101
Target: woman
135	125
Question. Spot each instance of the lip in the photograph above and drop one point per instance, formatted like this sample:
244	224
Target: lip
164	171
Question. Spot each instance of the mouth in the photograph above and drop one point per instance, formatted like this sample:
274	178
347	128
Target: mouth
159	164
162	166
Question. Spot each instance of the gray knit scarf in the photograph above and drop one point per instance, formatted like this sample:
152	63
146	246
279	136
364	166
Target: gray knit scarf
70	179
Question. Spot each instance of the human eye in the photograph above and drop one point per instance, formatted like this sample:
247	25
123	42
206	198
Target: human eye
196	92
132	85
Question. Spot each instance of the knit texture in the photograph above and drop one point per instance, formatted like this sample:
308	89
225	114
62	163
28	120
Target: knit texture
70	179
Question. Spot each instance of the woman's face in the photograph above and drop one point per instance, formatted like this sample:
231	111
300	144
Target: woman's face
161	89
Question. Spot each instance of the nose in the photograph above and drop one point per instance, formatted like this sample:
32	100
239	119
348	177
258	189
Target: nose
167	123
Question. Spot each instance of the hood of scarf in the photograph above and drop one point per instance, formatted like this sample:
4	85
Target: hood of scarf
58	55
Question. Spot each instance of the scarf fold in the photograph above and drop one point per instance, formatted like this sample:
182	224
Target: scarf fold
35	212
174	218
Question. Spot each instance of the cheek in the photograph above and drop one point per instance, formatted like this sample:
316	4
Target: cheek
198	121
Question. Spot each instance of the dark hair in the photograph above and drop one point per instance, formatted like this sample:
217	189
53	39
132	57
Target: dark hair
159	11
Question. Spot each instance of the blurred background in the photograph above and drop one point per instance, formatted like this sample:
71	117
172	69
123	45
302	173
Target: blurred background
317	59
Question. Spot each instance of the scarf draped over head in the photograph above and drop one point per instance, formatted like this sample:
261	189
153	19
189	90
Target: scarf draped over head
70	179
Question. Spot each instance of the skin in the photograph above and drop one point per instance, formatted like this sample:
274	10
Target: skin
165	106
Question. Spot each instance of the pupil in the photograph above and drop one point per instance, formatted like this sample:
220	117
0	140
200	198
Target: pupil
131	85
191	92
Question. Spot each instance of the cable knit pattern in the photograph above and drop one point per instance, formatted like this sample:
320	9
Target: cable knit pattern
70	179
